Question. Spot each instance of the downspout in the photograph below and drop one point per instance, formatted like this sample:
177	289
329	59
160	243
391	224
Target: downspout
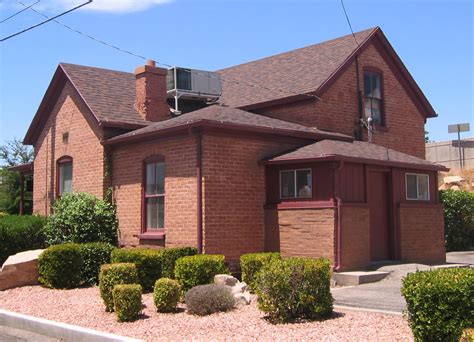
359	100
199	189
337	217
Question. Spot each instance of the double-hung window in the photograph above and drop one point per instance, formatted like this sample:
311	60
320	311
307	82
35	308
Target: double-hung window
295	183
64	175
417	187
373	97
154	194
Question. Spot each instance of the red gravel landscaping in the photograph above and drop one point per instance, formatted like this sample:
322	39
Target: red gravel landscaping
84	307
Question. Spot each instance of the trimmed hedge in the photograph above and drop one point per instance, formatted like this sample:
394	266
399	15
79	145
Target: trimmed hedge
115	274
295	288
458	219
170	255
166	294
60	266
14	229
80	217
440	303
94	254
251	263
207	299
191	271
127	301
147	260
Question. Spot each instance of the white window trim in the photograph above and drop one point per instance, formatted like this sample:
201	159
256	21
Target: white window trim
294	172
417	194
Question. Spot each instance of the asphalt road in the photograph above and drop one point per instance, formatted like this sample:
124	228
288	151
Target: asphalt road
14	335
385	294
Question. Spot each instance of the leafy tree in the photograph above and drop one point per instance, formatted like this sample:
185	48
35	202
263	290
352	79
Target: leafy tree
13	153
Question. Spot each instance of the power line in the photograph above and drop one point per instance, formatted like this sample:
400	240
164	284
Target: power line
224	79
20	11
349	22
44	22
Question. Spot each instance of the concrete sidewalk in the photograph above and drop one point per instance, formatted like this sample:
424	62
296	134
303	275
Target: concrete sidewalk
385	294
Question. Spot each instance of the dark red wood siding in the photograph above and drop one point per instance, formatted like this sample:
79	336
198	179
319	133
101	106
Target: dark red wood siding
352	183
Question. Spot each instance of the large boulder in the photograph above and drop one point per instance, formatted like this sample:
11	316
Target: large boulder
20	269
238	289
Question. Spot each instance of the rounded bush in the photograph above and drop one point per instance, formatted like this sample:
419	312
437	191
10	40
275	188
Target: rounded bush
13	230
295	288
251	264
166	294
115	274
127	301
439	303
170	255
458	219
60	266
199	269
94	254
147	260
207	299
80	217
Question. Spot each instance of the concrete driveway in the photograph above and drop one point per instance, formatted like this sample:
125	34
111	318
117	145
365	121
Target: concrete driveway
385	294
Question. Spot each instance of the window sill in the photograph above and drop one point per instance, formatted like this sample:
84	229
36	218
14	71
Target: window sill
158	235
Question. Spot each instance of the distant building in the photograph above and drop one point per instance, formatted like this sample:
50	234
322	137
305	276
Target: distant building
447	153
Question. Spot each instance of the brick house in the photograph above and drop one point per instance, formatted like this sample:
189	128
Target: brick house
282	167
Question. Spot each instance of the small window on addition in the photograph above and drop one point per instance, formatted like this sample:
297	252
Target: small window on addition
65	137
295	183
417	187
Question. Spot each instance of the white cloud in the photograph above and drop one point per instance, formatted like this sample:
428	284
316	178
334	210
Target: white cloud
111	6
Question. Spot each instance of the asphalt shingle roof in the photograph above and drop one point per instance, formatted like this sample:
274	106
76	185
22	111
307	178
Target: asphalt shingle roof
231	116
287	74
359	150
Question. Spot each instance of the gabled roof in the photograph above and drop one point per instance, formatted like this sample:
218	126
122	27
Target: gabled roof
226	118
108	94
356	151
310	70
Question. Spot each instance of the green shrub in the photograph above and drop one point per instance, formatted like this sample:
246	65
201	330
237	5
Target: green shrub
14	229
147	260
81	217
199	269
60	266
439	303
170	255
127	301
115	274
207	299
251	263
458	219
94	254
295	288
166	294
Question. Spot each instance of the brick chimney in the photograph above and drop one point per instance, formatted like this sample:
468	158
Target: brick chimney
150	97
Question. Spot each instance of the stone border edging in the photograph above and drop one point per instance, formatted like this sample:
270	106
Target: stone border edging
66	332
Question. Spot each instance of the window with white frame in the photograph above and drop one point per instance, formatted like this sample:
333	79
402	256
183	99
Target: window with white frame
295	183
417	186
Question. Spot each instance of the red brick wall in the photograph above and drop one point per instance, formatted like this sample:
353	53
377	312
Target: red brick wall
234	193
422	233
338	109
180	189
355	222
69	115
307	233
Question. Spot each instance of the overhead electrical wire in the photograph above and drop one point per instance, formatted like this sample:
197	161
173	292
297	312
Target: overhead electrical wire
349	22
225	79
20	11
45	21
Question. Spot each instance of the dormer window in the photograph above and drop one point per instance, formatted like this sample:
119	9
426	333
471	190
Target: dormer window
373	105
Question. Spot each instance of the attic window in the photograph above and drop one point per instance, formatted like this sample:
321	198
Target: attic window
373	99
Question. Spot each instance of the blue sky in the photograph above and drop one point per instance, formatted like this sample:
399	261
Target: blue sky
434	38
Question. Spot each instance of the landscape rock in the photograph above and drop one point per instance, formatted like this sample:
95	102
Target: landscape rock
225	279
20	269
243	298
238	289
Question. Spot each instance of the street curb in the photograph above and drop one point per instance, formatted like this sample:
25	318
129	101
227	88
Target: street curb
63	331
352	308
